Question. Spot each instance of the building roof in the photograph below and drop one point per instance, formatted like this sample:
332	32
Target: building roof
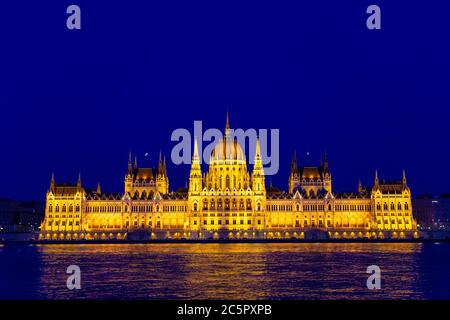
310	173
145	174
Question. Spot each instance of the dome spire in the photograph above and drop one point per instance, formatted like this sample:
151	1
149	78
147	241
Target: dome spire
227	128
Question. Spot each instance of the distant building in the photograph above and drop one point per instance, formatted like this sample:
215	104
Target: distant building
19	216
229	202
432	213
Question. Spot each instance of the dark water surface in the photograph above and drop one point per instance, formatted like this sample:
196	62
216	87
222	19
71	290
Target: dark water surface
226	271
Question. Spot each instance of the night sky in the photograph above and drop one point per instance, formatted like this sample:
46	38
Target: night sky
78	101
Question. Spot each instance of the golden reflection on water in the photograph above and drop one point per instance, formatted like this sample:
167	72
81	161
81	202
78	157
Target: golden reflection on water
230	271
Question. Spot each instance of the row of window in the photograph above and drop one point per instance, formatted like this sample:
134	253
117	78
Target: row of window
219	222
399	206
248	206
63	223
64	208
63	216
393	221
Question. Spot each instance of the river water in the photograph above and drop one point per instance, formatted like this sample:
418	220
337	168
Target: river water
226	271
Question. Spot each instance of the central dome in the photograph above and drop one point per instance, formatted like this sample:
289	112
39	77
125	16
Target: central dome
227	149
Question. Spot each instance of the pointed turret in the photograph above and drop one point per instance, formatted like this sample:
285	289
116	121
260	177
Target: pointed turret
164	167
376	183
99	188
326	173
258	166
258	184
325	164
360	187
195	176
227	129
162	181
294	178
160	164
135	162
52	183
79	180
195	158
130	164
404	182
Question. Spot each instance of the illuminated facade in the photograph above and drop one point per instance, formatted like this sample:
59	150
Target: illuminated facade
228	202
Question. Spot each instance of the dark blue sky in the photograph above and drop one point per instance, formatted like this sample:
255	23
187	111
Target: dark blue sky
80	100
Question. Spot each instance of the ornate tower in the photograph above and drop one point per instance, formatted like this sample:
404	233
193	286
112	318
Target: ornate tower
129	176
326	175
258	180
195	177
162	181
294	177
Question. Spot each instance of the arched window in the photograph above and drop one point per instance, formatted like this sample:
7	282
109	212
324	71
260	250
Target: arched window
64	208
329	207
385	206
378	206
70	208
406	206
77	208
195	207
227	183
249	204
392	206
399	206
50	208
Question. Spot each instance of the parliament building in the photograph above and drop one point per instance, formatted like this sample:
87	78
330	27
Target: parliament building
228	202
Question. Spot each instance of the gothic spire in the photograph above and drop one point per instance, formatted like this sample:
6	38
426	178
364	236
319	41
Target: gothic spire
160	164
195	157
325	163
294	167
52	183
130	164
79	180
164	166
227	130
257	163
